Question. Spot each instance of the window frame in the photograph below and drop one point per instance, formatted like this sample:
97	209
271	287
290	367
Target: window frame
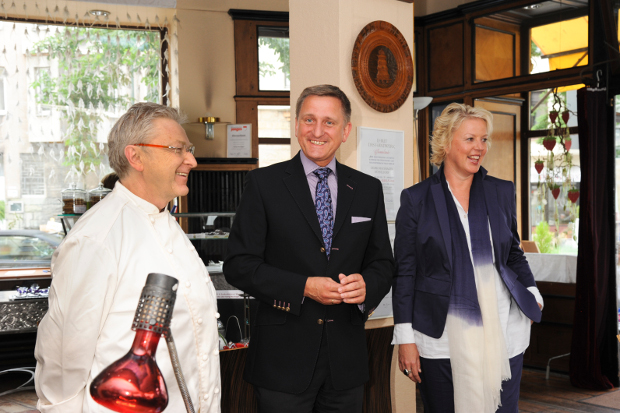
248	95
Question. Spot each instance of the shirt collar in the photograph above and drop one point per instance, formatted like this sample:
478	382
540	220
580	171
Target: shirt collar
310	166
143	204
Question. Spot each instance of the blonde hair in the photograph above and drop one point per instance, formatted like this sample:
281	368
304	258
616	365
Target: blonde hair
449	121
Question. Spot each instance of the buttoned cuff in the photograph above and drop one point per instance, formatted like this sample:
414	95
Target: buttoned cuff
403	334
539	299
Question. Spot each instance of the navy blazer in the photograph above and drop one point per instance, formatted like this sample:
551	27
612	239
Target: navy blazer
423	253
275	244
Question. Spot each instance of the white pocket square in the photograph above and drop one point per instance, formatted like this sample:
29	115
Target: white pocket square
355	220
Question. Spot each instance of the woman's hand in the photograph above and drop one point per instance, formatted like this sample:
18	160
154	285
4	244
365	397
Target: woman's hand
409	358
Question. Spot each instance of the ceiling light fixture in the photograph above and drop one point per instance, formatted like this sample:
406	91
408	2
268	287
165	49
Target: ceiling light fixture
532	7
99	13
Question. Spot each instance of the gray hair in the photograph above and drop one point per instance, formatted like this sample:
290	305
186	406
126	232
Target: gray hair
326	90
449	121
136	126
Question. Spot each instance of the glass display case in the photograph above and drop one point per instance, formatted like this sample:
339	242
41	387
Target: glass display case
208	232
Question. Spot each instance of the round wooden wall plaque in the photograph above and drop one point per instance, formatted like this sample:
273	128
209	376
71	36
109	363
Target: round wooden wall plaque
382	66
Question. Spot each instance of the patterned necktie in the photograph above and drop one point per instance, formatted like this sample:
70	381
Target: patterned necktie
323	204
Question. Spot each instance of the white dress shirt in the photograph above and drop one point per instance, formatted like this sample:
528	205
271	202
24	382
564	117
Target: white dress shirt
514	324
98	273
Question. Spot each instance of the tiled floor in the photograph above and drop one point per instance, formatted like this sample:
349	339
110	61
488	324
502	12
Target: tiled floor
22	402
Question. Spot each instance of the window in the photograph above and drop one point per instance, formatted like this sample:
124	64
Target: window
274	134
62	89
273	58
559	45
555	173
263	85
44	81
33	179
2	91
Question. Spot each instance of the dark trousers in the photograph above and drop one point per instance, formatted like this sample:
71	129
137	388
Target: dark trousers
438	394
319	397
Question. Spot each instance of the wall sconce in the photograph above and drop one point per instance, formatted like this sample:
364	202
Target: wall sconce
209	122
419	103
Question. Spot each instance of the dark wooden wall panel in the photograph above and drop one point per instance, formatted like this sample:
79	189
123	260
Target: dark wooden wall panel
552	337
495	54
445	56
503	160
246	57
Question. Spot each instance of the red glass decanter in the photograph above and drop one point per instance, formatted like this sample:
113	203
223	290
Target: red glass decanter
134	383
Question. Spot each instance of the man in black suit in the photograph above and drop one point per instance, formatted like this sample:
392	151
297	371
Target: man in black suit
310	242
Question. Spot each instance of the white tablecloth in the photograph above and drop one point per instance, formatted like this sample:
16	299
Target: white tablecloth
553	267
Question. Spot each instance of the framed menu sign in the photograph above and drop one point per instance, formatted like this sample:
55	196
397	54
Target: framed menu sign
239	140
381	153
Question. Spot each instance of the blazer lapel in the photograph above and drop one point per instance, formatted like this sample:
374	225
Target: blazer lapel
442	213
346	192
490	196
297	184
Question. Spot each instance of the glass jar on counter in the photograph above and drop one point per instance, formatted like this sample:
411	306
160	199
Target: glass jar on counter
97	194
73	200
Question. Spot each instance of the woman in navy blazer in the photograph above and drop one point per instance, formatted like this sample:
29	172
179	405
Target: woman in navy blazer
464	294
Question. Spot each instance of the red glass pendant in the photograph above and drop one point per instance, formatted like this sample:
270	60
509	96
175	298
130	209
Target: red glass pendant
133	383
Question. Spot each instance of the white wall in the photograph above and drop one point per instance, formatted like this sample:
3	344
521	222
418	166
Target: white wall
323	33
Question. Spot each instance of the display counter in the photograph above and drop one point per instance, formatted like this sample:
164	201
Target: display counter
555	276
387	391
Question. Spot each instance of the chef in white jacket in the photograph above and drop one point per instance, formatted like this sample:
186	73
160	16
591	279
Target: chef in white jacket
100	269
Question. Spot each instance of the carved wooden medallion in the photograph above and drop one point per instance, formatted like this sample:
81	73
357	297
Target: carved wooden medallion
382	66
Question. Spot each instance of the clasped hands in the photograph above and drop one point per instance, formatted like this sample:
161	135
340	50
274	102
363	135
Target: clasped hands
351	289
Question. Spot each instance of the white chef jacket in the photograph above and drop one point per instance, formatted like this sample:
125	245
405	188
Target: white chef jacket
98	273
514	324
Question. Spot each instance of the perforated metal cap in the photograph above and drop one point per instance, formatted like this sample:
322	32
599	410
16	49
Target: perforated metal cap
154	310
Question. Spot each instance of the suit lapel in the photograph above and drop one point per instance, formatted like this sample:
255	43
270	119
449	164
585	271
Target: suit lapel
297	184
490	196
346	192
442	213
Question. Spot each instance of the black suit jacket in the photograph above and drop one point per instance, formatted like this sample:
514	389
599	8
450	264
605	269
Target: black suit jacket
423	249
275	244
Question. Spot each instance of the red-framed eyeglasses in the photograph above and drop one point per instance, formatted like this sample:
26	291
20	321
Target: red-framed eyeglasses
179	151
